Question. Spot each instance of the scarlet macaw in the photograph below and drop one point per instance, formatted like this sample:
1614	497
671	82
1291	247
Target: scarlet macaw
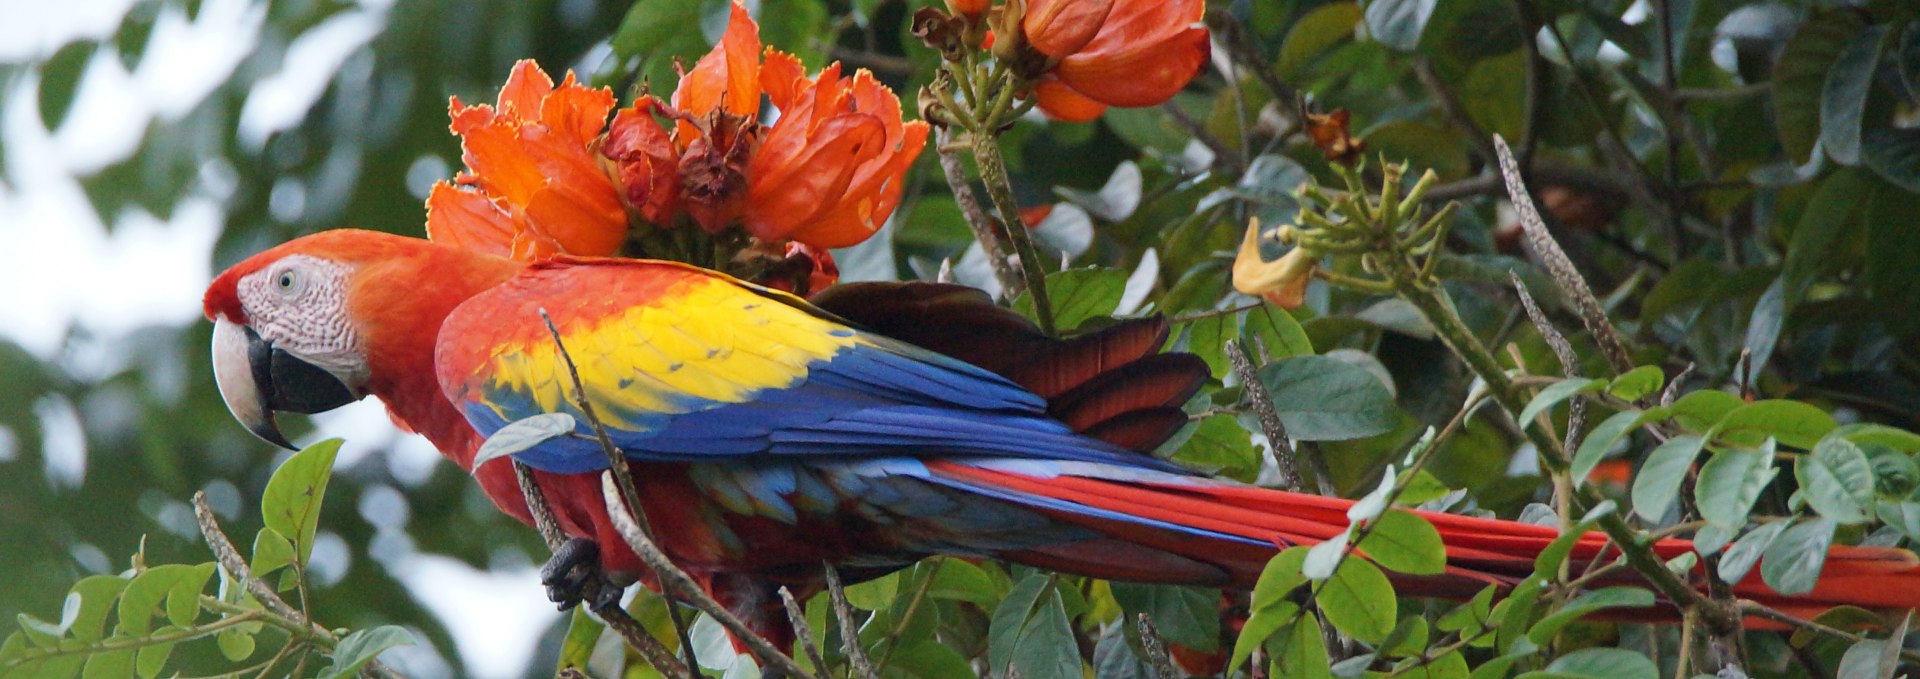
767	434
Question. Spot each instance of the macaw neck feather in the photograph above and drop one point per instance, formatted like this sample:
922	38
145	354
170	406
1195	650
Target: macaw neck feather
400	304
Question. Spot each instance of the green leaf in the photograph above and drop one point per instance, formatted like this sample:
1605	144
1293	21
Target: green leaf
523	435
1637	383
961	581
1792	563
1792	423
1494	94
1746	551
362	646
1398	23
1189	616
60	78
1278	331
1326	399
142	597
1837	480
874	594
1218	446
1763	327
271	552
183	601
1800	75
1843	97
1315	33
152	659
1599	663
1408	638
1359	601
1305	654
1543	631
1862	661
1894	154
1825	227
1555	394
1731	481
583	633
109	665
97	595
1601	440
1402	541
1010	617
1078	295
1045	647
291	504
1701	410
234	644
1868	434
1658	482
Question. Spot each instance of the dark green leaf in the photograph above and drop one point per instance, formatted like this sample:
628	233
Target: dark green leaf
1894	154
1398	23
1011	616
1800	74
1319	30
1701	410
1843	97
1543	631
60	77
1747	551
1324	399
1837	480
1217	446
1189	616
291	504
1792	563
1080	294
1658	482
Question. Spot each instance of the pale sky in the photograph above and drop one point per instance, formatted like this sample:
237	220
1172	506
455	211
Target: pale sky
151	271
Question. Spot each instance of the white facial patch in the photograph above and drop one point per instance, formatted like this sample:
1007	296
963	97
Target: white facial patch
300	304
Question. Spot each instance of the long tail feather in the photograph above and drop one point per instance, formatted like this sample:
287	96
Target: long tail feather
1223	534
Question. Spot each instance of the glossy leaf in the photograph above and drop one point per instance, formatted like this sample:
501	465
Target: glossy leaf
1402	541
1359	601
1792	563
1843	97
1657	483
1837	480
1731	481
1324	399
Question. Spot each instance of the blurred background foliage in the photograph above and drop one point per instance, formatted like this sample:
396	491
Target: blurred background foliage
1741	176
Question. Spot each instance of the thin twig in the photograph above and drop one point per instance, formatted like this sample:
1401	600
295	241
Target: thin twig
635	634
1760	610
236	566
1156	648
985	230
674	580
849	633
802	632
1263	408
1558	266
1563	350
623	478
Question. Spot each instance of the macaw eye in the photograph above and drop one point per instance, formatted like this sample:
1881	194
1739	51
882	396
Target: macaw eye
288	283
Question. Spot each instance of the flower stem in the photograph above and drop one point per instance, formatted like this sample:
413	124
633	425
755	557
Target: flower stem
993	173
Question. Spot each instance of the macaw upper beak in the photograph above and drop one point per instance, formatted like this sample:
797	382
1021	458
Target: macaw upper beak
256	379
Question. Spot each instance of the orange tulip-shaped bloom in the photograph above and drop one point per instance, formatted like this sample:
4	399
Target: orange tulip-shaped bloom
644	164
1058	28
825	172
536	186
1145	52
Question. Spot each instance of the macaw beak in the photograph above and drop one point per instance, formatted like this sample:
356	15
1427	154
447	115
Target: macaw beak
257	379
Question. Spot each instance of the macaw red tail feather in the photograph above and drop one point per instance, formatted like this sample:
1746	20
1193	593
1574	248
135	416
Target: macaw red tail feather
1172	521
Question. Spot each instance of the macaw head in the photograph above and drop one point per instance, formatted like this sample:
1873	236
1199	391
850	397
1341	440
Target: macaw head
324	320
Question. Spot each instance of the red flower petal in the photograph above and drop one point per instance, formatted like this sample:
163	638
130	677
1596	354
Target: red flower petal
1061	102
728	77
1143	77
1058	28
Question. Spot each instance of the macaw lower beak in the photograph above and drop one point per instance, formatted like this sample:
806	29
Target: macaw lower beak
257	379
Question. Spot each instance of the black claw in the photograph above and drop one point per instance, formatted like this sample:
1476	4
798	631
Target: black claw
567	576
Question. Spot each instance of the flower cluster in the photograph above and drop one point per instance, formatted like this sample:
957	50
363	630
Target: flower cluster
1078	57
549	174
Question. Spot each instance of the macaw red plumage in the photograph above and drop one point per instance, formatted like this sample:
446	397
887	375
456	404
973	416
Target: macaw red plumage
878	424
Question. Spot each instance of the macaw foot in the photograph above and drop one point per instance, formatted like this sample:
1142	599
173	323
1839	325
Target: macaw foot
573	576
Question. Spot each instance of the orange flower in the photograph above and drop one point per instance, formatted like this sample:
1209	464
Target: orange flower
1058	28
641	157
827	172
536	186
1282	282
1144	52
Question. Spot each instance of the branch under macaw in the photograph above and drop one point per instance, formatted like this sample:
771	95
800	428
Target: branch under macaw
869	427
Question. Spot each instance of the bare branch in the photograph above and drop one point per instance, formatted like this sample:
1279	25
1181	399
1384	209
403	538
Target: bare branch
1569	361
985	230
802	632
1558	266
1270	424
849	633
1156	648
